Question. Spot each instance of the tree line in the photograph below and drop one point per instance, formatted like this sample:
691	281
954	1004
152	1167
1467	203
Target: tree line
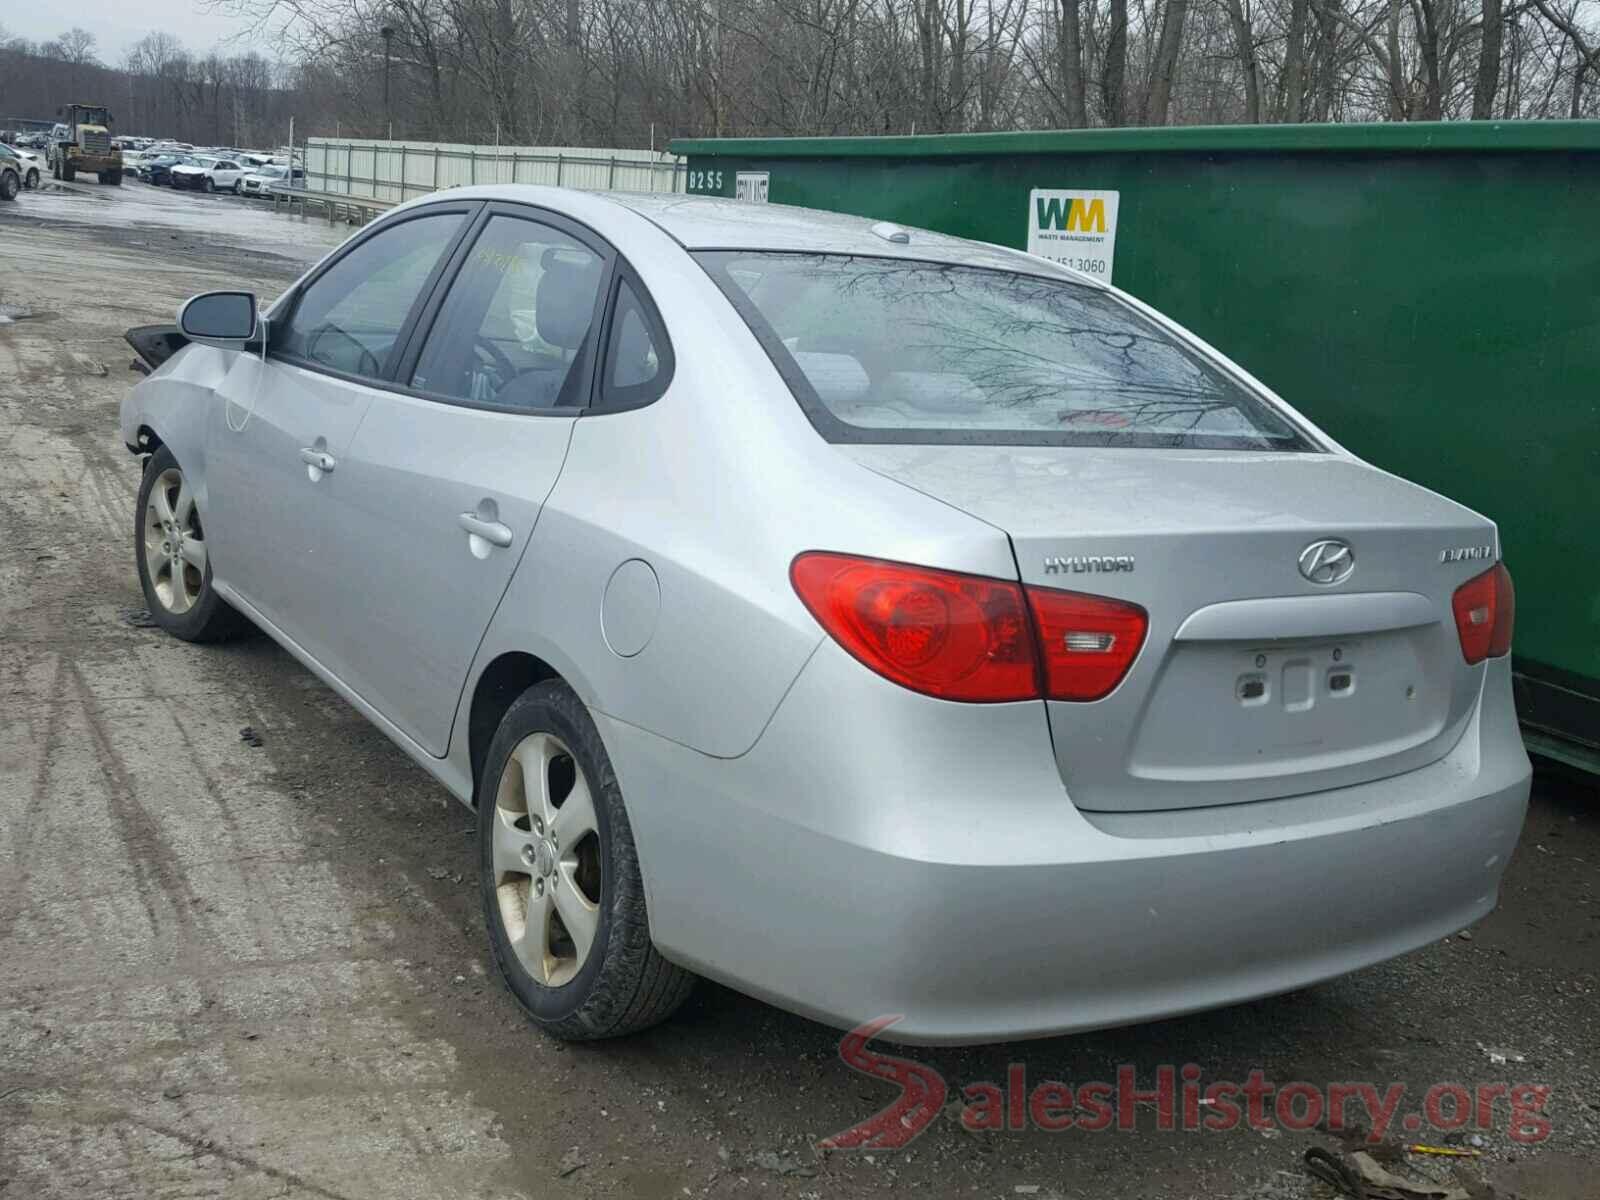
160	89
632	73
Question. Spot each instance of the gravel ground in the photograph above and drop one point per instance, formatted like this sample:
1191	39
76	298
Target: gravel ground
259	970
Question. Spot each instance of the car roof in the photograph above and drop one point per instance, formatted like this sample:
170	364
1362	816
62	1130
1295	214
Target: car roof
718	223
712	222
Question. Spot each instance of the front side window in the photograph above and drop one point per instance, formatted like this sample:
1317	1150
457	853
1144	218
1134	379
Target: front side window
350	316
895	350
516	329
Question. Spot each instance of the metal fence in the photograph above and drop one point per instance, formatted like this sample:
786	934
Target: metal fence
403	170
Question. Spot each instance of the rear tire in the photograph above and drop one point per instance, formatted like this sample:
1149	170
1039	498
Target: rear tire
32	181
114	178
168	539
68	172
555	846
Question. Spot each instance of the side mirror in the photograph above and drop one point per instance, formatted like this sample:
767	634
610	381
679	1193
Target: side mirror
226	320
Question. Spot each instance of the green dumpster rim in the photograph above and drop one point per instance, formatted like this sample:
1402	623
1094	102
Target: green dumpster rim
1398	137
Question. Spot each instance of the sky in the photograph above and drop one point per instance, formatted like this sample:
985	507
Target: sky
118	24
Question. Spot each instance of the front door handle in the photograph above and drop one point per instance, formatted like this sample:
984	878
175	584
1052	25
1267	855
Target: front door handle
492	532
320	459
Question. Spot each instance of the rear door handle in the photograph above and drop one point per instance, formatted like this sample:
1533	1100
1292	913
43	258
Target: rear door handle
492	532
320	459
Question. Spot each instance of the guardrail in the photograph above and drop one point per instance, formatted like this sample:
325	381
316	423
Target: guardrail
403	170
357	210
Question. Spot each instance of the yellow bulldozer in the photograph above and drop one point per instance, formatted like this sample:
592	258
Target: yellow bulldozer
81	141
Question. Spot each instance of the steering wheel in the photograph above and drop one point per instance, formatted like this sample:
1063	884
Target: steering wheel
497	357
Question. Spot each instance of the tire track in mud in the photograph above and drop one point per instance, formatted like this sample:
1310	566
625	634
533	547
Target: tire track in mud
221	984
279	934
23	823
157	872
205	1147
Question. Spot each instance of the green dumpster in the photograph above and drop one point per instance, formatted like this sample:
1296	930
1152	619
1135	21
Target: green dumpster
1428	293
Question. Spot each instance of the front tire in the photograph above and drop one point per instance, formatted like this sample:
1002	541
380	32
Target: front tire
208	185
173	559
559	876
10	185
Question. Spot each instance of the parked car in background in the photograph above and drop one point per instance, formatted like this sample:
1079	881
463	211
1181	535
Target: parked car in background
206	174
261	181
158	170
1104	686
29	166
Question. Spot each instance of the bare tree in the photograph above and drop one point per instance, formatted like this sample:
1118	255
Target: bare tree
1114	73
1585	45
75	47
1166	61
638	72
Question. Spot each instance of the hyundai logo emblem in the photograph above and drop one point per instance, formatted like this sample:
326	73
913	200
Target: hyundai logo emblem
1328	561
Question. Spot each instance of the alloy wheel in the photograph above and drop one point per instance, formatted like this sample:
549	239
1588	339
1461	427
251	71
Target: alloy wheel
174	543
547	862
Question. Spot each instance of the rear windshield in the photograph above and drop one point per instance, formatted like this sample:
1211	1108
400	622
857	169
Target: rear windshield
895	350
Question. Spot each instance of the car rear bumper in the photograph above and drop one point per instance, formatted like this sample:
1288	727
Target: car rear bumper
929	863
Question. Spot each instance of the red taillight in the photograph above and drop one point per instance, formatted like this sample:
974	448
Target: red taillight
959	637
969	637
1485	608
1087	642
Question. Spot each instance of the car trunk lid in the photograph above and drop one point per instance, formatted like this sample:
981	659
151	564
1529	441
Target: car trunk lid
1254	681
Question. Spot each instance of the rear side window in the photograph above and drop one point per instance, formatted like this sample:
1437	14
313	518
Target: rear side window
895	350
350	316
638	364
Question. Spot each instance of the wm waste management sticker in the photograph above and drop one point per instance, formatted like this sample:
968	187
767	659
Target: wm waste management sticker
1075	228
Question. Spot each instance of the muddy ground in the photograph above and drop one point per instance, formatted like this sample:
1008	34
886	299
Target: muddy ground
243	970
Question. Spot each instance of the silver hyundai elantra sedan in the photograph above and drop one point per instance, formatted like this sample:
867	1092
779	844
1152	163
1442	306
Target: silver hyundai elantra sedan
874	621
